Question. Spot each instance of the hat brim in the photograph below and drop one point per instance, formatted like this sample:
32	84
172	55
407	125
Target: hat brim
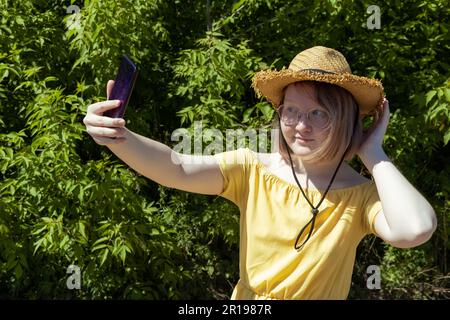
367	92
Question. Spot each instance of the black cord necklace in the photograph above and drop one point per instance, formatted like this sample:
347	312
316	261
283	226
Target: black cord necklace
314	209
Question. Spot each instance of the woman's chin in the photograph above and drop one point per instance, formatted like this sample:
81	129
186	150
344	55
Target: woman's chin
301	150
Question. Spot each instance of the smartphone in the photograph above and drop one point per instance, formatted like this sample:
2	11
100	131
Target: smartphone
123	86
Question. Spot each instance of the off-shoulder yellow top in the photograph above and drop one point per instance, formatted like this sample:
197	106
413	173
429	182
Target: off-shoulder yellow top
272	212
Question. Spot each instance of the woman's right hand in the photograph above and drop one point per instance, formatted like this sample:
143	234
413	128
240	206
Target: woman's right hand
105	130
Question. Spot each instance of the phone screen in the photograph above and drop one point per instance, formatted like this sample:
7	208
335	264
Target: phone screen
123	87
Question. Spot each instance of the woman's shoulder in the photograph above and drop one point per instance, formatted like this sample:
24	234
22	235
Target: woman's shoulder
353	180
264	158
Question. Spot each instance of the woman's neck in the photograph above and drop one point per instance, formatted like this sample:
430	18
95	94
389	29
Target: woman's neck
323	170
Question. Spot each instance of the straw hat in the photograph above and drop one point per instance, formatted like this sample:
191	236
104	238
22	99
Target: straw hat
320	64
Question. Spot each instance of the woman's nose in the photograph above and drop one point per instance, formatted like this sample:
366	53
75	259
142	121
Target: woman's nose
303	124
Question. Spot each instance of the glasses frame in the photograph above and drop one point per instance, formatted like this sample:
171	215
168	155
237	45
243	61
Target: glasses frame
300	114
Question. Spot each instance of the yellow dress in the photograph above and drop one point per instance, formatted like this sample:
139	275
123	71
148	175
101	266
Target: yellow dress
273	211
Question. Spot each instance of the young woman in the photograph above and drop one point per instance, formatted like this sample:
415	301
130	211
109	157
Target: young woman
304	210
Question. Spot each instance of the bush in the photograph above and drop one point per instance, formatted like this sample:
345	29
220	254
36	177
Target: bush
65	200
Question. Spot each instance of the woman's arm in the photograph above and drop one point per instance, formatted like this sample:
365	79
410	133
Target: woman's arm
407	219
158	162
154	160
148	157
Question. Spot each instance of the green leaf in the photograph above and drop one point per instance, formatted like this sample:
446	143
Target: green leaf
39	230
80	194
446	138
247	114
64	241
100	246
429	96
237	5
102	239
82	230
104	256
50	79
266	109
123	254
447	94
38	244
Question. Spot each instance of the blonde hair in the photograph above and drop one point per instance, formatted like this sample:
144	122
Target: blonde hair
342	108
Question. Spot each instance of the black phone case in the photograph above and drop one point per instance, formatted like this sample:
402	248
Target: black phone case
123	87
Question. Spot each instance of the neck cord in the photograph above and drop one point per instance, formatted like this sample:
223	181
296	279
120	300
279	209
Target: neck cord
314	209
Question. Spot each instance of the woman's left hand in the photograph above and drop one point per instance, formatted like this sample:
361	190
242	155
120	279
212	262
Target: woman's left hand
373	140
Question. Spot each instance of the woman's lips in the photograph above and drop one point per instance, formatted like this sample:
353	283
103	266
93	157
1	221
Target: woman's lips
302	140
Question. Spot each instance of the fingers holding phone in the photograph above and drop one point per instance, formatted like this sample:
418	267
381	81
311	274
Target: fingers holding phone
104	130
109	87
104	120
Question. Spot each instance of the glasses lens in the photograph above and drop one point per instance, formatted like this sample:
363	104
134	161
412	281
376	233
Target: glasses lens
288	115
317	117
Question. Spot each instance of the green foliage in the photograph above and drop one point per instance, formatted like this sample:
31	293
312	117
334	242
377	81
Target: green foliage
437	103
217	62
65	200
409	274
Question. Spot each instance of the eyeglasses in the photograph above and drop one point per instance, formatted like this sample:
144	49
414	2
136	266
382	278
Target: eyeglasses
290	116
